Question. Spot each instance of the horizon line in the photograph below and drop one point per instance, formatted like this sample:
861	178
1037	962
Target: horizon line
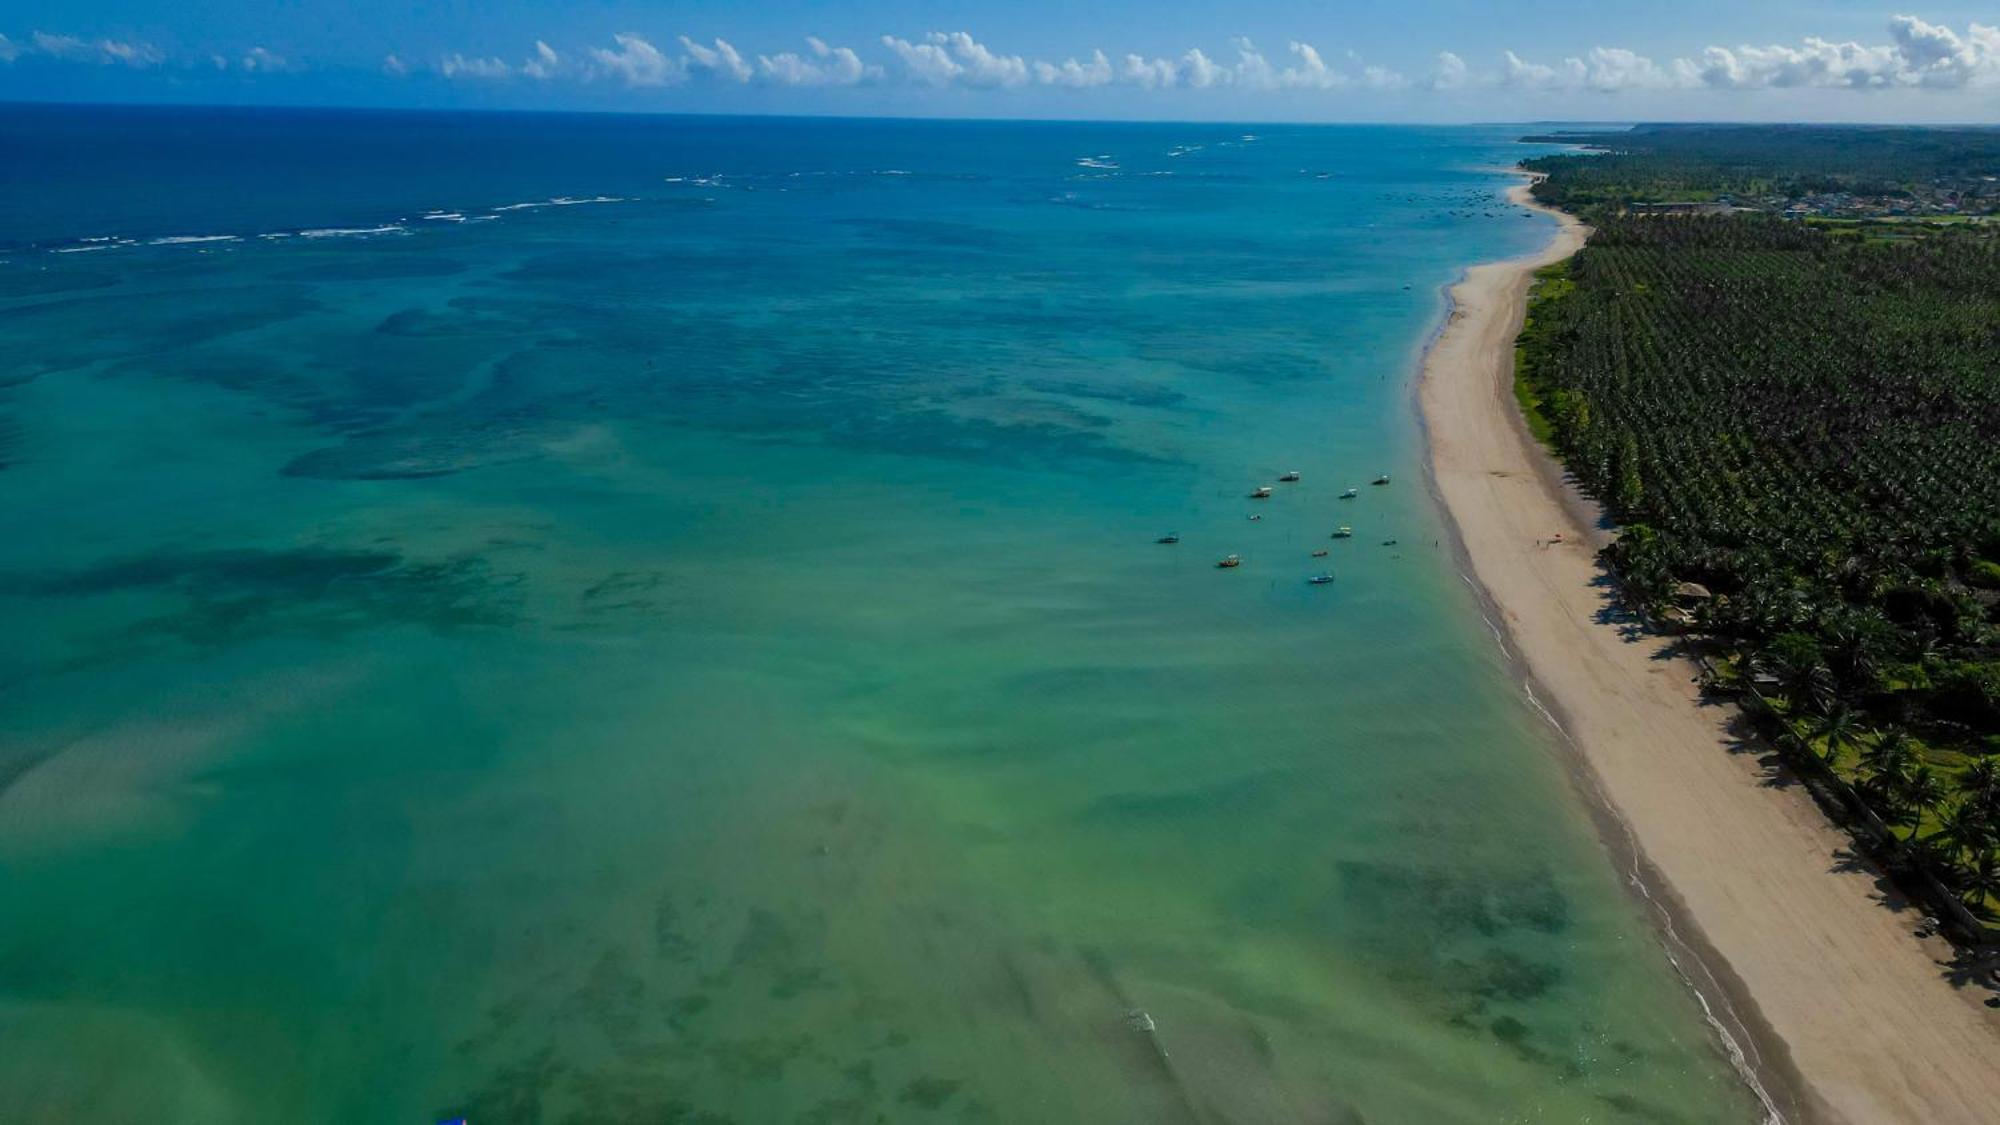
1605	123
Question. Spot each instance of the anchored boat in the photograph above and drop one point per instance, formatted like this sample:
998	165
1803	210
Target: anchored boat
1228	562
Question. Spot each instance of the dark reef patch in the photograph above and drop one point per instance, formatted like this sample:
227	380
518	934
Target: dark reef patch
17	281
411	454
377	265
232	594
73	332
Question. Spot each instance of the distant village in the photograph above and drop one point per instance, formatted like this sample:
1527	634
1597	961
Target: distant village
1962	197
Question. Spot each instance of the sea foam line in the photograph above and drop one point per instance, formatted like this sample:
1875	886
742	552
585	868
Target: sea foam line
353	232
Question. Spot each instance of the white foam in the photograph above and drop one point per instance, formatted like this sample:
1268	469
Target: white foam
443	216
189	239
568	201
83	249
352	232
1097	162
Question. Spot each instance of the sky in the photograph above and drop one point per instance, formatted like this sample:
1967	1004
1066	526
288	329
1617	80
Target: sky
1274	60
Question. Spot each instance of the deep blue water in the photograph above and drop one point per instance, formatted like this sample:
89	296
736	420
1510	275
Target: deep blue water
564	618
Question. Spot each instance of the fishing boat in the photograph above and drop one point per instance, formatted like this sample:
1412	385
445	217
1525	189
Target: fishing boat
1320	579
1343	532
1229	562
1350	494
1169	537
1319	554
1255	516
1263	492
1290	477
1383	479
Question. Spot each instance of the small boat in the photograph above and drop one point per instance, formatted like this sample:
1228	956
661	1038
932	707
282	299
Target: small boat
1320	579
1290	477
1263	493
1319	554
1169	537
1350	494
1388	542
1383	479
1255	516
1343	532
1228	562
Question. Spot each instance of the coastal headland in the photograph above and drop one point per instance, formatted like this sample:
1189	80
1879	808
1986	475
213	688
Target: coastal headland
1803	953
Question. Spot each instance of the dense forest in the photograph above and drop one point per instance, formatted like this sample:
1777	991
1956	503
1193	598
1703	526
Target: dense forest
1769	167
1797	427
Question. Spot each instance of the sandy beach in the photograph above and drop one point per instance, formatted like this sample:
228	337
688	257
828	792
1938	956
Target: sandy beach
1797	945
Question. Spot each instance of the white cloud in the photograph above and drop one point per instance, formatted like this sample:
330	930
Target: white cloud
1919	55
1201	72
1916	55
456	65
639	63
721	60
924	62
1076	75
1252	68
8	51
263	60
1382	78
1150	74
544	64
104	51
1311	71
956	58
1936	56
828	66
1449	73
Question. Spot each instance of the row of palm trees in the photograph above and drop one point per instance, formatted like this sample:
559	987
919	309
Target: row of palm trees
1963	847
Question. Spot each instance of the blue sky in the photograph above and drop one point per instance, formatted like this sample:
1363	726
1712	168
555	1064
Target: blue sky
1414	60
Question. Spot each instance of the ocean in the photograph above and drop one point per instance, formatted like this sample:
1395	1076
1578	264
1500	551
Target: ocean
554	618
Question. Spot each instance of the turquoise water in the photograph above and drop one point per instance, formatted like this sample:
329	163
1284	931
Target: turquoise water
701	655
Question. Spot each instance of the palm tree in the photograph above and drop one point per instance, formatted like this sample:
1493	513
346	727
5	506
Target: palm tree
1980	782
1920	793
1979	877
1964	829
1837	730
1887	764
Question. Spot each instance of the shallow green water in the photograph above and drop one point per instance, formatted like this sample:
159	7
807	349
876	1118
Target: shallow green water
703	657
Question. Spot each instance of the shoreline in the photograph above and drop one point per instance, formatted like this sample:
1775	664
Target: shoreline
1800	954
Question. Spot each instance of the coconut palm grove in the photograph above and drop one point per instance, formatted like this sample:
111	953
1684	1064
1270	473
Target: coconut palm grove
1777	362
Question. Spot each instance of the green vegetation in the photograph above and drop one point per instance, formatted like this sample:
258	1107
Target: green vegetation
1836	169
1552	284
1803	420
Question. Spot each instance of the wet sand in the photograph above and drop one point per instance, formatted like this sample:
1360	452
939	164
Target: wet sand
1801	950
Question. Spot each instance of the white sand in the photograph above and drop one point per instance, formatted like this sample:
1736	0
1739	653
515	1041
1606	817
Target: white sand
1849	1017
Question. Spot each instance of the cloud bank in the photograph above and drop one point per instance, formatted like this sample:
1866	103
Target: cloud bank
1916	55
